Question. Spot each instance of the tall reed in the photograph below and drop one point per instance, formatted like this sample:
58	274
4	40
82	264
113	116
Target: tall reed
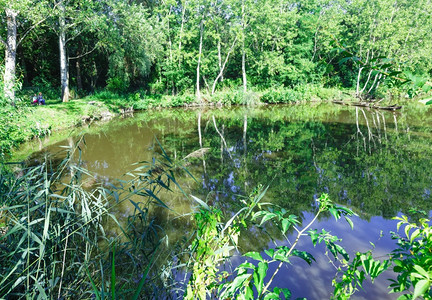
53	243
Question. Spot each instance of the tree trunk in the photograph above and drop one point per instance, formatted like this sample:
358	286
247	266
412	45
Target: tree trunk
358	82
10	54
243	49
220	57
199	61
94	77
244	69
181	32
222	67
64	68
78	75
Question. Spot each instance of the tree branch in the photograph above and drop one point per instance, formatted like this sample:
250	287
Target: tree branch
37	24
87	53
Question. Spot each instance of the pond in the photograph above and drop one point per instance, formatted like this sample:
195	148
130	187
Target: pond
375	162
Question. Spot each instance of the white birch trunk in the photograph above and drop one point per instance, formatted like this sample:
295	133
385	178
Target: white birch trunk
358	82
181	32
199	61
222	67
243	49
10	54
64	68
220	57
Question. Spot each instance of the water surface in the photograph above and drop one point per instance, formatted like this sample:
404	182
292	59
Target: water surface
375	162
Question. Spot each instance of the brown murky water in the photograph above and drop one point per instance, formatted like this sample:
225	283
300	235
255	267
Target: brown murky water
376	162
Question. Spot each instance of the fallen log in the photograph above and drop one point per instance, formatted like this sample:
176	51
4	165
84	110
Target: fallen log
369	105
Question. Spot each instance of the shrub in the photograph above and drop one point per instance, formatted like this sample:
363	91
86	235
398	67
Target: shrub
280	95
117	84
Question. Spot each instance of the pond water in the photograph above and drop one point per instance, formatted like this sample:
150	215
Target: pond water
375	162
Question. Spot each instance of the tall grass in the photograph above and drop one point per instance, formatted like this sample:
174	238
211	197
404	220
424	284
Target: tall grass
53	243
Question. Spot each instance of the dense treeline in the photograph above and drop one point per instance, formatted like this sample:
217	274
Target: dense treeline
196	46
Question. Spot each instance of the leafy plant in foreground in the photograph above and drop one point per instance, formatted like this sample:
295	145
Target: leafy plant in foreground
411	260
250	280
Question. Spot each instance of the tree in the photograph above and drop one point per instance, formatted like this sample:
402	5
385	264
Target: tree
383	36
131	37
13	11
71	19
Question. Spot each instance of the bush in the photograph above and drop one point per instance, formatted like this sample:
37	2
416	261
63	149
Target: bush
280	95
235	97
117	84
180	100
303	92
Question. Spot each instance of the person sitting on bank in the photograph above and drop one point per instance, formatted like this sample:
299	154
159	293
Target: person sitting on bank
40	99
35	100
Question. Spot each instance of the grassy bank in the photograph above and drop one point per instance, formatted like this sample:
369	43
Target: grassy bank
25	121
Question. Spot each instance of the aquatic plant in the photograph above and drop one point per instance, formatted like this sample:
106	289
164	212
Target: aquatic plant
53	243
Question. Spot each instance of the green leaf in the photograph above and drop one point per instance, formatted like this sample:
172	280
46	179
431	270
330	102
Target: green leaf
285	225
249	293
307	257
421	271
95	289
314	236
113	274
334	213
281	257
415	234
286	292
254	255
262	272
238	282
268	216
420	288
246	265
200	202
272	295
350	222
144	277
407	230
269	252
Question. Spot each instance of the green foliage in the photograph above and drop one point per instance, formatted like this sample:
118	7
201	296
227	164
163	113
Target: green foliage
209	248
411	260
53	243
304	92
9	130
154	46
356	271
280	95
249	280
16	127
117	84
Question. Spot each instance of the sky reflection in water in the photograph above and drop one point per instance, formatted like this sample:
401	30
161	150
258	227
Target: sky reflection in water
377	163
